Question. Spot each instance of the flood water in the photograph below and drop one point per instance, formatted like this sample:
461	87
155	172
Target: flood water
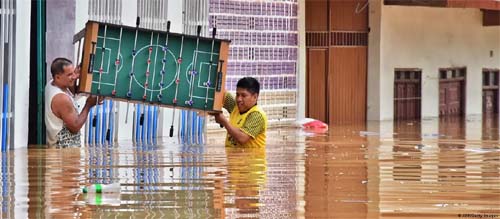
448	168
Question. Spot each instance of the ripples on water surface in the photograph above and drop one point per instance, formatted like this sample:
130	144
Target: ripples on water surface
433	169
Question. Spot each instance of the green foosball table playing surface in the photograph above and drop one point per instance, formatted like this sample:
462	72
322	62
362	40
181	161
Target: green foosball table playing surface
156	67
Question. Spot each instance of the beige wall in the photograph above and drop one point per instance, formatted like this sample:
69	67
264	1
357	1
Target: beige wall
427	38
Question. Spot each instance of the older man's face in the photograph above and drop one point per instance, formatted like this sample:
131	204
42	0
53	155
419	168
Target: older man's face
68	77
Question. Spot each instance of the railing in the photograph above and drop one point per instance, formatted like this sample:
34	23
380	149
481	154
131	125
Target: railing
7	42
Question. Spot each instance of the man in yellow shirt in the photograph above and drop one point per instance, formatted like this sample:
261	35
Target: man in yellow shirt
247	123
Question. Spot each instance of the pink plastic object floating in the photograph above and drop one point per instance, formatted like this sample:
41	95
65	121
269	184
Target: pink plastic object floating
315	126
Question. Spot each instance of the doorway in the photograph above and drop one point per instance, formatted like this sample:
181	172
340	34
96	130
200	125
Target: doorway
452	91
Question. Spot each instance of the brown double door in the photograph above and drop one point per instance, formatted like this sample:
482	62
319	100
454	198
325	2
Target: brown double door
452	92
490	91
450	98
336	42
490	101
407	94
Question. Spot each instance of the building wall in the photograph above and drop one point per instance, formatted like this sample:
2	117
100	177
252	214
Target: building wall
427	38
264	44
60	30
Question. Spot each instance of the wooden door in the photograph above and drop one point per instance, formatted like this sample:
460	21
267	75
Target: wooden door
348	59
407	94
452	92
337	42
317	41
490	102
451	96
347	85
317	64
490	91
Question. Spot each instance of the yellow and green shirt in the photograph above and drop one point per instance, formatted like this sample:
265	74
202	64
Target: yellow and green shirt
253	123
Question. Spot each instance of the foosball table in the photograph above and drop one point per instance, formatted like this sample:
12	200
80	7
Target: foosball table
154	67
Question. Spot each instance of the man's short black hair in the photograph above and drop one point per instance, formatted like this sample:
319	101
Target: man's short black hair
57	66
249	83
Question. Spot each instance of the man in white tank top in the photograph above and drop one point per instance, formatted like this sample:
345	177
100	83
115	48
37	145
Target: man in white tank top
61	116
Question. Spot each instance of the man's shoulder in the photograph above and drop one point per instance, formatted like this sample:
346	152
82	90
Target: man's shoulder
61	100
61	97
260	110
256	115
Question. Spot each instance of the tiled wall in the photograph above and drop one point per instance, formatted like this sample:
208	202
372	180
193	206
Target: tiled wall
264	45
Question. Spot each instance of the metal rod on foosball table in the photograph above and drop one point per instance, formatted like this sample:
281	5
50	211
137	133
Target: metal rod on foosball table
154	67
109	132
207	83
164	61
155	123
103	51
144	121
117	62
78	52
191	117
219	77
129	93
78	63
104	122
149	125
146	84
177	81
193	67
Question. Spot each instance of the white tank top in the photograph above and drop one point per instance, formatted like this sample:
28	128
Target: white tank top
57	133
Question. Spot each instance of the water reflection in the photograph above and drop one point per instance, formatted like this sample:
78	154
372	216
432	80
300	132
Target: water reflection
54	186
246	177
452	156
429	169
336	175
490	127
440	174
407	151
7	210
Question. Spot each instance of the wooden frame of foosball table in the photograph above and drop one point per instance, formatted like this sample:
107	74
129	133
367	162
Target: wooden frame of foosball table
90	34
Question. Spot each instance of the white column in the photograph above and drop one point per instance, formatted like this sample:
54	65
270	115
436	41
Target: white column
21	104
22	71
374	60
21	178
301	62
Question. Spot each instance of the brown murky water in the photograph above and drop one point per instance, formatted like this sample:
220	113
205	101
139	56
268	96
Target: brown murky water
433	169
